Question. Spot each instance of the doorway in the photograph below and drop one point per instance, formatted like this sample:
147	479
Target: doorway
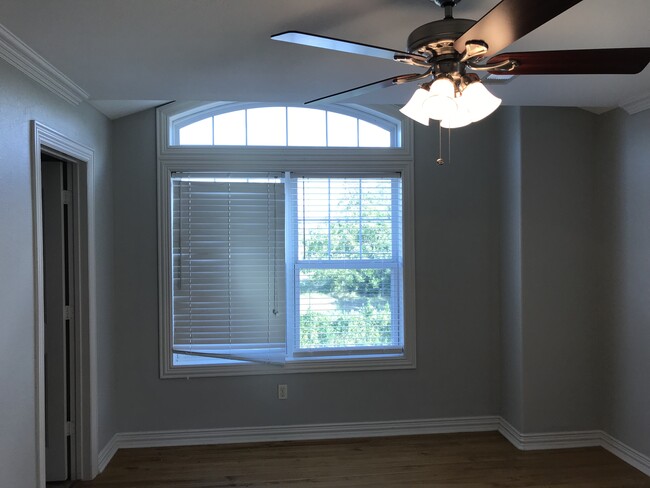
63	196
59	293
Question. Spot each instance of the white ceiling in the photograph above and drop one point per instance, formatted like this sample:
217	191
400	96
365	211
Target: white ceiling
130	54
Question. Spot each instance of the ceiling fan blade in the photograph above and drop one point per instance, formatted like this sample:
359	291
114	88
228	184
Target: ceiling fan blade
511	20
361	90
578	62
333	44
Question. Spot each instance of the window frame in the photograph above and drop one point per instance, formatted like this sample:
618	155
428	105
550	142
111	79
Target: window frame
172	116
305	161
394	263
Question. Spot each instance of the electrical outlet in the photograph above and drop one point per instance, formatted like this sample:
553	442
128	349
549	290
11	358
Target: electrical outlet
283	392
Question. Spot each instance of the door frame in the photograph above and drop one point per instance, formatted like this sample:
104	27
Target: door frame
48	141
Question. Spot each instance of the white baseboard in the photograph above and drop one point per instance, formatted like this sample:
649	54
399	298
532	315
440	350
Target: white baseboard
567	440
294	432
525	442
551	440
626	453
106	454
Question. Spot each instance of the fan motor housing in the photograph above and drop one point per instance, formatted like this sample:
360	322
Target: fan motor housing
438	37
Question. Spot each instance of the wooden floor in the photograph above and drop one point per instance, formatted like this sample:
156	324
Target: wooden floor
448	460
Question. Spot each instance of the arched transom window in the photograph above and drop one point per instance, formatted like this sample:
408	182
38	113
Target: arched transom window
286	126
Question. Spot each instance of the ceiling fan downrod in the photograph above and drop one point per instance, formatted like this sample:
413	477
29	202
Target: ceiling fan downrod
448	5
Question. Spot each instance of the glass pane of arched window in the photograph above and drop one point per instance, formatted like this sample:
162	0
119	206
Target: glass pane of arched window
283	126
341	130
267	126
198	133
307	127
371	135
230	129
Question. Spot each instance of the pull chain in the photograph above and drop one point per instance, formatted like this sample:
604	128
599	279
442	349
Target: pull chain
449	144
441	161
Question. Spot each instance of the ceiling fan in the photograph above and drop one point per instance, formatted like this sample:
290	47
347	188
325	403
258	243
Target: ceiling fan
450	49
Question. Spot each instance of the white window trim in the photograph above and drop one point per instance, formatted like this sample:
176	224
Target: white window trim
339	162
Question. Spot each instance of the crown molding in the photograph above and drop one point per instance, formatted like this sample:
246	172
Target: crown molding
25	59
636	104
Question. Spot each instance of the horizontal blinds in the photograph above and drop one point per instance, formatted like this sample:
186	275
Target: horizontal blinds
347	244
228	266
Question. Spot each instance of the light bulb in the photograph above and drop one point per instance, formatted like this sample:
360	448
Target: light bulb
440	103
413	109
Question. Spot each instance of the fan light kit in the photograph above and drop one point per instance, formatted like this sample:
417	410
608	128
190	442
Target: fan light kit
449	47
454	105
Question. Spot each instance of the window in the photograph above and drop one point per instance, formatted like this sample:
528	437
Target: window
283	126
271	261
227	268
346	264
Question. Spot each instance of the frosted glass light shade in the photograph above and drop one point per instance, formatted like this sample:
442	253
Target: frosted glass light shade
413	109
461	118
479	101
440	104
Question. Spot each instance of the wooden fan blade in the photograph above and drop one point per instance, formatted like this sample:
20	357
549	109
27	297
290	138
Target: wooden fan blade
370	87
341	45
510	20
579	62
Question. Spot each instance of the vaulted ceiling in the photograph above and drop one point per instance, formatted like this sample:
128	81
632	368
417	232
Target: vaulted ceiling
128	54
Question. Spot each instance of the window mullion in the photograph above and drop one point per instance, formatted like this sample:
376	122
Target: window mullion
291	255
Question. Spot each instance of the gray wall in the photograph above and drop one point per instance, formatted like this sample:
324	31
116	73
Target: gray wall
550	334
457	235
20	101
560	333
511	293
624	246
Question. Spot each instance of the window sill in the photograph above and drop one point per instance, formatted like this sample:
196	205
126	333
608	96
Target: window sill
237	368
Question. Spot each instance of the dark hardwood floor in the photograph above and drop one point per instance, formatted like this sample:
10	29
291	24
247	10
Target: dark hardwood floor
444	460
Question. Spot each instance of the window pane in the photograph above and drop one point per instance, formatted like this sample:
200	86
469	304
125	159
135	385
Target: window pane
346	218
313	200
345	198
341	130
314	240
371	135
230	129
198	133
267	126
228	269
345	239
342	308
307	127
376	239
282	126
377	198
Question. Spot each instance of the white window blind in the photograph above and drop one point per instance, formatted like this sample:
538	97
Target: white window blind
348	265
228	266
